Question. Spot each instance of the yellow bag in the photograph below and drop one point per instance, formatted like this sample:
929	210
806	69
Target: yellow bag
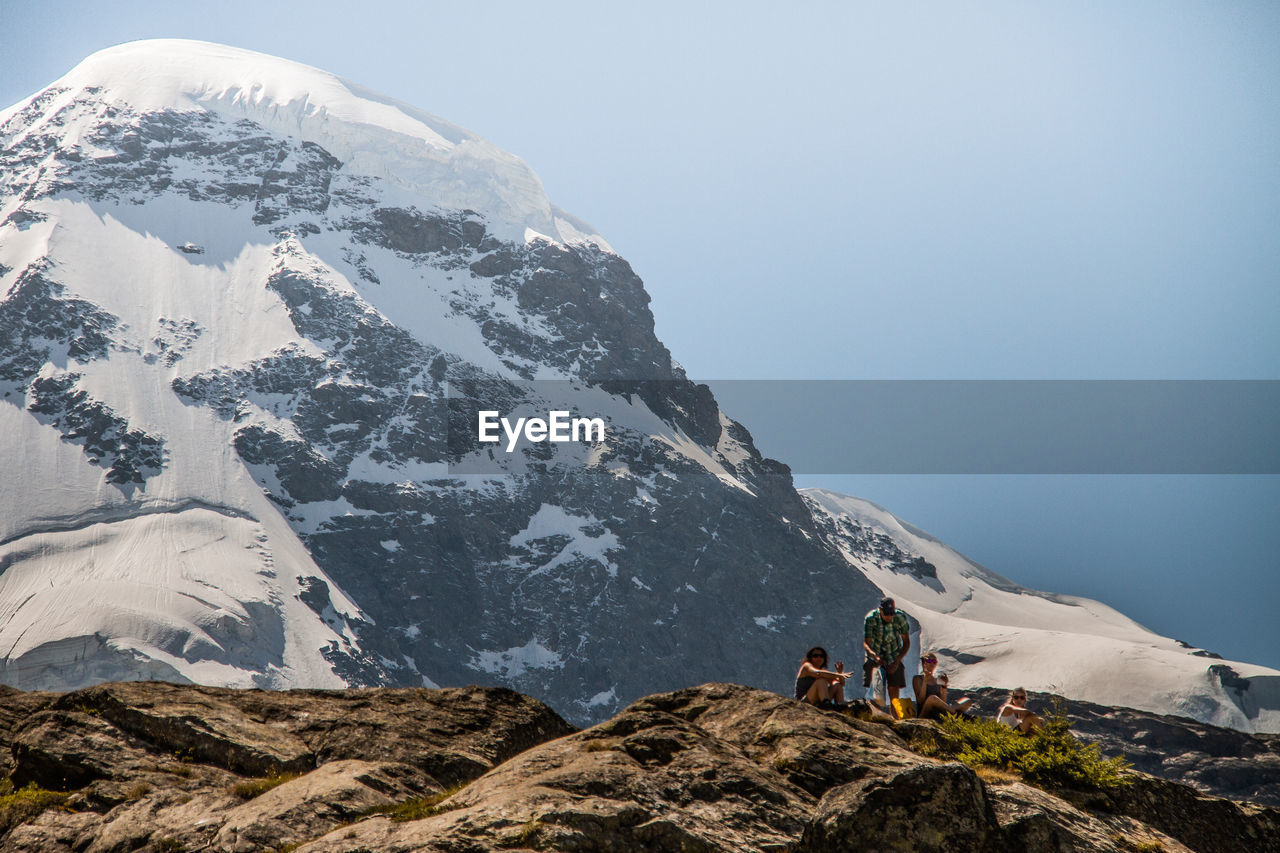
903	709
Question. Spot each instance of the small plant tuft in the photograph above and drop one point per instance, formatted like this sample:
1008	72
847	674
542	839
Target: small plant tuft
785	764
257	787
1051	756
601	745
138	791
528	833
417	808
996	776
168	845
1124	842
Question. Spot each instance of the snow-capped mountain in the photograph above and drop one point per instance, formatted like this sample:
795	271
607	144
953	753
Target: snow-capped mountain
242	304
235	292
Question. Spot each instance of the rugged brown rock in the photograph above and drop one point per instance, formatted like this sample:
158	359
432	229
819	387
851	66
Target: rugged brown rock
718	767
157	766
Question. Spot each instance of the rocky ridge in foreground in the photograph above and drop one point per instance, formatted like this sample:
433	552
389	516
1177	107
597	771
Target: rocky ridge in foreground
154	766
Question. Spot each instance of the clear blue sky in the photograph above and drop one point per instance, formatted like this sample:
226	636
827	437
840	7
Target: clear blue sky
883	191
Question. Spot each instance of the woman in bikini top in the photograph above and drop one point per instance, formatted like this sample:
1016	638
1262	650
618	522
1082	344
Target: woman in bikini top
817	685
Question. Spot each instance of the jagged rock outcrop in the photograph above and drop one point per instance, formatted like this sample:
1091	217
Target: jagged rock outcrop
714	767
147	761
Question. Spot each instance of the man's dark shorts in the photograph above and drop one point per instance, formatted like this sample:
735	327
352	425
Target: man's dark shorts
897	678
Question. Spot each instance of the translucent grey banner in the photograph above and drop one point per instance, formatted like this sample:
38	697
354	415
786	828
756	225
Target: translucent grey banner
872	427
1011	426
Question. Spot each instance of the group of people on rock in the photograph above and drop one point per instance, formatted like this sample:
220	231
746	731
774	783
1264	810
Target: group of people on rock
886	639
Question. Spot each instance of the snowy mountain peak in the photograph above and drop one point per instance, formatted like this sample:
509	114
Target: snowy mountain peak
370	134
241	301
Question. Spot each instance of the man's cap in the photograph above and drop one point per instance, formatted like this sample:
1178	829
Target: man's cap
887	605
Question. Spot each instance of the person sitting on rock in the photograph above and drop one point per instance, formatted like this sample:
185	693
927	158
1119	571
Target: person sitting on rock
959	706
817	685
931	691
1016	715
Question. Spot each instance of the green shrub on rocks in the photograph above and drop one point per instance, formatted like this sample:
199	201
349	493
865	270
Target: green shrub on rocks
1051	756
23	805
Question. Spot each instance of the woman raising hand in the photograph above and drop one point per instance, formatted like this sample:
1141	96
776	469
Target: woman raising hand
817	685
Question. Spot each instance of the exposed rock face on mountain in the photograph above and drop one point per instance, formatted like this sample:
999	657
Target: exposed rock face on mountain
717	767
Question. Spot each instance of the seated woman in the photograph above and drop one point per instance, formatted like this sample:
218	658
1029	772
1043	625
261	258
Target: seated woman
957	706
1016	715
817	685
931	691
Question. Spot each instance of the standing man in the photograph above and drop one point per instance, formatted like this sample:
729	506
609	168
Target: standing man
886	637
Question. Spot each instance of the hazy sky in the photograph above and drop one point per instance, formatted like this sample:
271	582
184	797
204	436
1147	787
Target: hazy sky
846	190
